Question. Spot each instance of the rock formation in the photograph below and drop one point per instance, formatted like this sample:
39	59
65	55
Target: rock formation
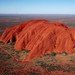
40	37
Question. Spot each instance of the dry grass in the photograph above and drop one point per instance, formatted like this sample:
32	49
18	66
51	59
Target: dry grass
49	64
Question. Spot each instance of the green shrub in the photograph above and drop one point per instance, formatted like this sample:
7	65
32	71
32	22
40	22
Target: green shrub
53	54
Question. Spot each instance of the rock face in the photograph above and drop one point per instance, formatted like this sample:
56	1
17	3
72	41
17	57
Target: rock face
41	37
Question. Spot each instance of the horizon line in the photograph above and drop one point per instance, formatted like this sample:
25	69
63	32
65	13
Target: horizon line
35	14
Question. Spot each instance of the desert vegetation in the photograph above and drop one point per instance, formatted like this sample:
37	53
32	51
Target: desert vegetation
49	64
14	53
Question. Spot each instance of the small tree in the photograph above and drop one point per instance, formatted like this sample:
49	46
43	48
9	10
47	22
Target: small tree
53	54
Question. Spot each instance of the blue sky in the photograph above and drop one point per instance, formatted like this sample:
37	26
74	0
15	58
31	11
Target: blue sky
37	6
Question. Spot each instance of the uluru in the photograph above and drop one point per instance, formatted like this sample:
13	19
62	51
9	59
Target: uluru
40	37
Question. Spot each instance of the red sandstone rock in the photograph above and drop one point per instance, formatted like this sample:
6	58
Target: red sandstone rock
12	32
41	37
28	33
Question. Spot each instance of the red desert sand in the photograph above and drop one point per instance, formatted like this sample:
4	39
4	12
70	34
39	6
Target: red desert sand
40	37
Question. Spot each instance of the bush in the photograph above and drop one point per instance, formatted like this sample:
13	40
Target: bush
53	54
